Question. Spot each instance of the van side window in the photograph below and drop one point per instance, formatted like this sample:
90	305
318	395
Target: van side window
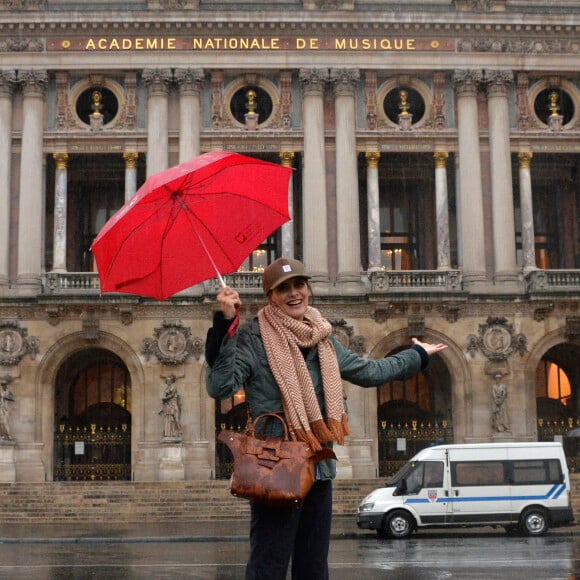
465	473
433	474
536	471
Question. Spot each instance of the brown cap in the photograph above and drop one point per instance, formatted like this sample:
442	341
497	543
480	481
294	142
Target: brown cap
280	270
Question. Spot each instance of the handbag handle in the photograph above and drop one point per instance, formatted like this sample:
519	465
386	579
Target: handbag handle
253	424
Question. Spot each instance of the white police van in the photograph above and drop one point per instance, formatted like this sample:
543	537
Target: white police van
524	487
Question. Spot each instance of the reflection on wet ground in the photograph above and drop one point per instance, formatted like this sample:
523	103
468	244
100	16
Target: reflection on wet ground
423	557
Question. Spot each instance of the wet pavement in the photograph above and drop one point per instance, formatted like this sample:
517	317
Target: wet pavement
217	550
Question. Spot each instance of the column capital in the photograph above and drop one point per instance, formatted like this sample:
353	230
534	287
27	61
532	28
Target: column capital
440	159
345	81
287	158
467	81
189	80
8	82
525	158
373	158
157	80
498	81
313	80
61	160
130	158
34	82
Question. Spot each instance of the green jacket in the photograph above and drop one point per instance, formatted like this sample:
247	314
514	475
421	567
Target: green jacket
242	362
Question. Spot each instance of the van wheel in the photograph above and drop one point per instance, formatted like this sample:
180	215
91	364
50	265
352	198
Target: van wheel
534	522
399	525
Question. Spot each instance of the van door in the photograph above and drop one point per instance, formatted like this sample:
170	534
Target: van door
480	488
426	492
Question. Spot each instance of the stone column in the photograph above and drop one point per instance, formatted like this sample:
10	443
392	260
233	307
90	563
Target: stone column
189	84
442	209
287	159
131	159
314	181
60	213
31	205
157	82
373	210
504	234
470	194
347	203
526	207
7	84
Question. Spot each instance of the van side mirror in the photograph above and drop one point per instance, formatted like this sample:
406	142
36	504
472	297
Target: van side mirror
401	488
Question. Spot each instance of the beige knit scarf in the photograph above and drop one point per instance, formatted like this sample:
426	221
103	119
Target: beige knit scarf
283	337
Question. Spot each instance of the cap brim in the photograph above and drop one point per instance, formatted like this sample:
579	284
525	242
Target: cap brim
287	277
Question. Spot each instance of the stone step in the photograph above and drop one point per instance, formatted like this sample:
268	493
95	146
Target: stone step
135	502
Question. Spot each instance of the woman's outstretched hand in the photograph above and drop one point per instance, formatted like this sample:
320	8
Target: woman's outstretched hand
229	302
430	348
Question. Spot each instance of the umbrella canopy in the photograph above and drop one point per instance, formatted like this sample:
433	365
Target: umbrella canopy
190	223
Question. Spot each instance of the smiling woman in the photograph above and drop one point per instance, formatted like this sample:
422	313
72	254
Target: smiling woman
288	361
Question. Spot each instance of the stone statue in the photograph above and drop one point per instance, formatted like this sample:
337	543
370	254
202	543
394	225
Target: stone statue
171	409
6	397
499	419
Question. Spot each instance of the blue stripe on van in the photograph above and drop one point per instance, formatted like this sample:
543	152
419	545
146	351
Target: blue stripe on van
553	493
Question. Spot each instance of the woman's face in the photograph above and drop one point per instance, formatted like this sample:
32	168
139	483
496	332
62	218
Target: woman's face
291	296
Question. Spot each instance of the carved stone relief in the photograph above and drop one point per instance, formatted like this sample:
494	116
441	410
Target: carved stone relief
172	344
497	340
15	344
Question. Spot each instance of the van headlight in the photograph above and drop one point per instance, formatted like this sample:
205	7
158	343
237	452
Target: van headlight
366	507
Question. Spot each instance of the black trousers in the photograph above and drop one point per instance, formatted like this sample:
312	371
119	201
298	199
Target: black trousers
303	535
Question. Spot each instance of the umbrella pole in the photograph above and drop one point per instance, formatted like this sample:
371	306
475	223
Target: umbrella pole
188	213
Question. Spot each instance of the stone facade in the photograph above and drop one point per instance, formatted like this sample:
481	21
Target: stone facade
465	113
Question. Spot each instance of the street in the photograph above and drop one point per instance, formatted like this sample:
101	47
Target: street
474	555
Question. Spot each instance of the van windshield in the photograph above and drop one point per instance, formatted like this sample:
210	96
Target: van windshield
403	473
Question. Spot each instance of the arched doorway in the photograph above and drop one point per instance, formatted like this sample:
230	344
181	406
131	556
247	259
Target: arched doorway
92	439
557	400
413	414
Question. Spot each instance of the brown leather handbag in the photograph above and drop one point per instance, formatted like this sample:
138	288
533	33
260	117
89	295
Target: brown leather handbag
276	471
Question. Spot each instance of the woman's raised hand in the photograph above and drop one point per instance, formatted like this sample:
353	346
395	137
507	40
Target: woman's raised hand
229	302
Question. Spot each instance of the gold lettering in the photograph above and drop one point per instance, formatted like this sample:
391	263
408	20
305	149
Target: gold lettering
274	44
398	44
340	43
127	44
209	43
114	44
197	43
386	44
366	43
90	44
244	43
410	44
102	43
300	44
171	43
255	43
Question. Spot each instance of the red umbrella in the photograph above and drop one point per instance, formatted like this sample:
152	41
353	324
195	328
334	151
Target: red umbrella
190	223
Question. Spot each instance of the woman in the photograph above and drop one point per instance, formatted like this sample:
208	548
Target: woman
288	352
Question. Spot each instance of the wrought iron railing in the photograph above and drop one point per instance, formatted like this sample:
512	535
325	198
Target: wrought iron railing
90	452
560	429
399	441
